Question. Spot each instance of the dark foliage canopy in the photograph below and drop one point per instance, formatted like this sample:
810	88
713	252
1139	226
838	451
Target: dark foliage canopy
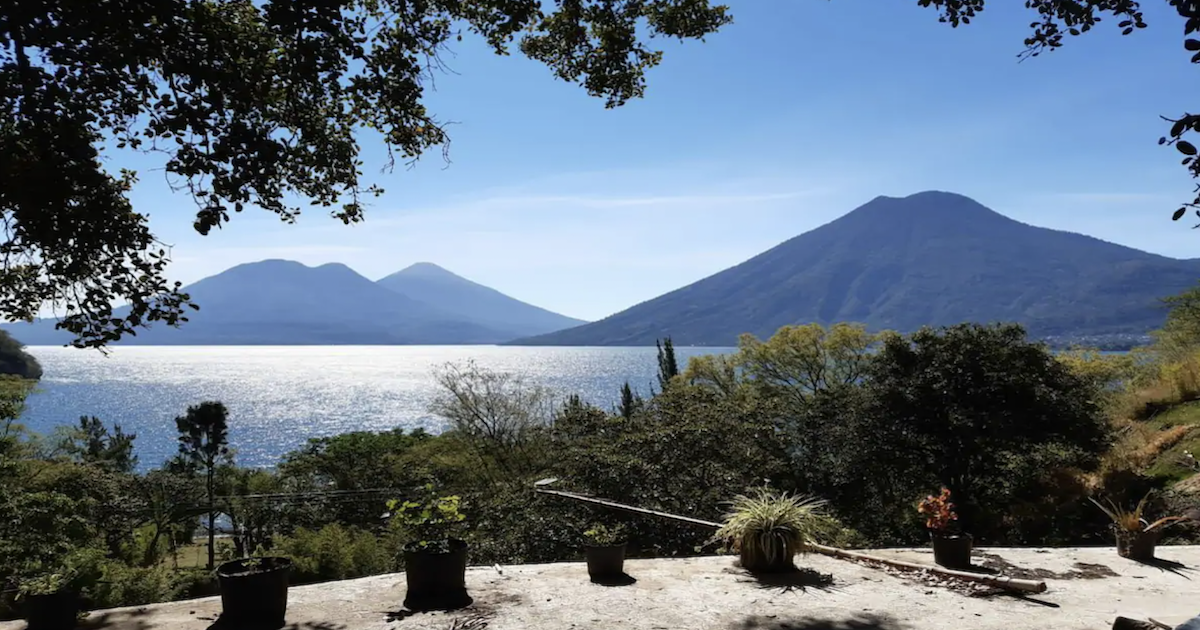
251	104
977	409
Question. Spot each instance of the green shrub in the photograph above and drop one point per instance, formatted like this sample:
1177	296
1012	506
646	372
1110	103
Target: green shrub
511	524
123	585
193	583
335	552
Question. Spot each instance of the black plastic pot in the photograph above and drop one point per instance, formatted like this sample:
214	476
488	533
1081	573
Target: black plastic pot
254	592
952	551
436	581
605	562
56	611
1137	546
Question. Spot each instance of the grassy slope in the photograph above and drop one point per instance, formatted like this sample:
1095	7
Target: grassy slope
1176	431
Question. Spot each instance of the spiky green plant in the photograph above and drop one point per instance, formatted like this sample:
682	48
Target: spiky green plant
1132	520
769	528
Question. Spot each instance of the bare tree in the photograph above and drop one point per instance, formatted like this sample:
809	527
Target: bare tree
499	414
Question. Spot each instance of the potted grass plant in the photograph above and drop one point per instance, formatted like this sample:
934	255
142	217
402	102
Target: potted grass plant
1137	538
254	592
767	529
951	546
435	562
604	549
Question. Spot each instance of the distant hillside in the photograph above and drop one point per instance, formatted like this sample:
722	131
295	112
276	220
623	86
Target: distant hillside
280	302
932	258
442	289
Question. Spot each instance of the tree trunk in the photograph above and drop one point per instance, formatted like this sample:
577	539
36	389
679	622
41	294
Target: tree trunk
212	529
151	556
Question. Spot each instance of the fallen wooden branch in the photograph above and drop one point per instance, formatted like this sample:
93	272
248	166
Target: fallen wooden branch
997	581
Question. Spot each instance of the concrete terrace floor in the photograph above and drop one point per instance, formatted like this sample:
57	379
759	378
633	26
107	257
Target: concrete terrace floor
1087	589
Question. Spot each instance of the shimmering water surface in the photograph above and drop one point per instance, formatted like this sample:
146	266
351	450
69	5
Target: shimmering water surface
279	396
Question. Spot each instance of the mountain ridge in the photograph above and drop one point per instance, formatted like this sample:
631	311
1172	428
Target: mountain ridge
436	285
931	258
284	302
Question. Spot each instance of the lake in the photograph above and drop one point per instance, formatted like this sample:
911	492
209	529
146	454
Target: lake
279	396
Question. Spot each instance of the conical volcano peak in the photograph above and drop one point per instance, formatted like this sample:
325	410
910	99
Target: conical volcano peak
926	206
932	258
426	269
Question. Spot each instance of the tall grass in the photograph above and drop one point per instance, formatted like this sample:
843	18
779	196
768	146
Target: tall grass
1159	386
769	529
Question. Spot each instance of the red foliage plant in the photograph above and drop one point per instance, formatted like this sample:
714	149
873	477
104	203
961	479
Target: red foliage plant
938	511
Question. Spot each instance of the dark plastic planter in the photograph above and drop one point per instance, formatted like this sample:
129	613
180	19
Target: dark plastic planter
254	595
952	551
56	611
605	563
1137	546
436	581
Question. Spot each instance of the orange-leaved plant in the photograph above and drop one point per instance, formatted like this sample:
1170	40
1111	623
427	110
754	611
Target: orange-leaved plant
938	511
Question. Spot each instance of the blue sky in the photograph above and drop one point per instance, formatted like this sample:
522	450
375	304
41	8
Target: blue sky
792	116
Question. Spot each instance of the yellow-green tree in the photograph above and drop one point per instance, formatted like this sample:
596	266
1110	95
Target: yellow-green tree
798	362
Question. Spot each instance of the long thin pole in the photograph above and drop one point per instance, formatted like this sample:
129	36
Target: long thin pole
998	581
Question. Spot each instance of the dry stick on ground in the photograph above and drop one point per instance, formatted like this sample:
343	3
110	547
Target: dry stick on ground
997	581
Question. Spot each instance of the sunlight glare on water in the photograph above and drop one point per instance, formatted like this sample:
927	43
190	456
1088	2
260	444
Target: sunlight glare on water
279	396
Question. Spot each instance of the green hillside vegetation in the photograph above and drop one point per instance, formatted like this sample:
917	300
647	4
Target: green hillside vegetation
15	361
1154	400
870	422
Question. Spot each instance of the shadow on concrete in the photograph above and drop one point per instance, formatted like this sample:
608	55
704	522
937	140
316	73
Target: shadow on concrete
616	580
858	621
127	619
399	615
1022	597
461	619
220	624
465	620
797	580
995	564
1171	566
